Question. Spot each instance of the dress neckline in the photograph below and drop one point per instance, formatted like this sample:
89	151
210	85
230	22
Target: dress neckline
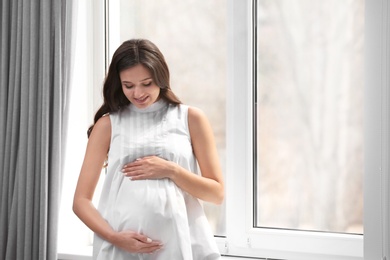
159	104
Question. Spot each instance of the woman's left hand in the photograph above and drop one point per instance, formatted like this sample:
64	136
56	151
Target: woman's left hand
149	167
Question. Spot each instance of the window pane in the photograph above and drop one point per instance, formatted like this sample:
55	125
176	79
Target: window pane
309	110
192	37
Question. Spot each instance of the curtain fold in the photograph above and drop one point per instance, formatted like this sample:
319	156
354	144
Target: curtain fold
35	50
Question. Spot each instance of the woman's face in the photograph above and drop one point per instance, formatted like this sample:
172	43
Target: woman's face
138	86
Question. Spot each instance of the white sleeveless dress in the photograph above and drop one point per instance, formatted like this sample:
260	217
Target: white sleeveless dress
156	208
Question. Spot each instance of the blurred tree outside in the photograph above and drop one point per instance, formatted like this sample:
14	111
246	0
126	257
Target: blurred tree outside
310	115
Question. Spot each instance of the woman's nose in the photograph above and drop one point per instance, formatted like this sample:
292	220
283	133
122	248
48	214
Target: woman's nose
138	92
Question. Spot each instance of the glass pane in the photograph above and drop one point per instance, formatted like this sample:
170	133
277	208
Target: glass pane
310	56
192	37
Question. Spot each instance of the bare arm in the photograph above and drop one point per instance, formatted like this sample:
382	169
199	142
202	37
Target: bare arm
97	148
208	187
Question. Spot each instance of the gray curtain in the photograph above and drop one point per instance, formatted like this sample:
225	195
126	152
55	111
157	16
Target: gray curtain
34	49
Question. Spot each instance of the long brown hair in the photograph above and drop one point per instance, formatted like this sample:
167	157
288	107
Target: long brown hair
129	54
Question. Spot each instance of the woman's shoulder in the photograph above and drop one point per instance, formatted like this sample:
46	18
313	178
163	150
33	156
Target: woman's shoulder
191	110
197	120
196	114
199	126
104	123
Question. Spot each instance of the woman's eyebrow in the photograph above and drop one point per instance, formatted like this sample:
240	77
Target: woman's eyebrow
125	81
146	79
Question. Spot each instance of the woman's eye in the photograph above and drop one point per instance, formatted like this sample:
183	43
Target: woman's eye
147	84
127	86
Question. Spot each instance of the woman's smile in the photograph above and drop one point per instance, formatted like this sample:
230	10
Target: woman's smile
141	100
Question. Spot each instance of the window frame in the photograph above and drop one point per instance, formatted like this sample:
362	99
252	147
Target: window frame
242	237
377	127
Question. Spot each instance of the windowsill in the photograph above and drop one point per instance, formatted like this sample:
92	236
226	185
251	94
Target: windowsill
82	253
85	253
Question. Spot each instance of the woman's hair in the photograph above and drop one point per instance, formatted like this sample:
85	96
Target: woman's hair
129	54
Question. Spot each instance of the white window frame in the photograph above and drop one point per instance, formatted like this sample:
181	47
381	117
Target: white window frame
377	127
242	238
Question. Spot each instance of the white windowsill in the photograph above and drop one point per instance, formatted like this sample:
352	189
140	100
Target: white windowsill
85	253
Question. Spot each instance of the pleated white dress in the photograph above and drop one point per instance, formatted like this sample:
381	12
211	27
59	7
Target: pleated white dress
156	208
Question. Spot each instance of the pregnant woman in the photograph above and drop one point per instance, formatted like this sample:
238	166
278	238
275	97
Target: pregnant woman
150	203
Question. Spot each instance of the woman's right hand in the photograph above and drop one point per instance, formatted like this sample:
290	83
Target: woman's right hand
133	242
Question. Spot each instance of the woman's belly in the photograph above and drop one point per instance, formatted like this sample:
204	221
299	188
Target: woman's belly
155	208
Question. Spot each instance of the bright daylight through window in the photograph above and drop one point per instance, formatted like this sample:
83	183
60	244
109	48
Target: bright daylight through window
310	62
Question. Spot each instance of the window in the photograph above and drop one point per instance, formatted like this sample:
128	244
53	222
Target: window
265	224
243	230
87	72
309	113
